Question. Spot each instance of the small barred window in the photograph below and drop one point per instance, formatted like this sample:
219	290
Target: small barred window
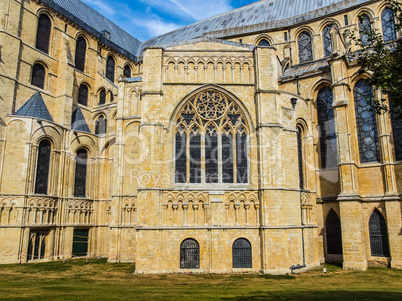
189	254
242	257
378	235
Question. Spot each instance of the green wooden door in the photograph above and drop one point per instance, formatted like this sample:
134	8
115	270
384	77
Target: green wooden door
80	242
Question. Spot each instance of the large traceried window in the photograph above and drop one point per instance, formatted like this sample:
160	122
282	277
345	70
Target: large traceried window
305	47
326	40
80	53
396	133
388	25
43	33
366	123
326	122
213	127
365	29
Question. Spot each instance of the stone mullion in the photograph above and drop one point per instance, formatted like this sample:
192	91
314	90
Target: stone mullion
234	149
220	168
188	157
203	171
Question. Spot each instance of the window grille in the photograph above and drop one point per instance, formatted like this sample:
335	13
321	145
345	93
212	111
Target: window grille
264	42
127	71
388	25
80	53
81	173
396	133
378	235
83	95
42	168
210	117
43	33
110	66
300	156
327	41
326	122
242	257
305	47
38	76
365	29
101	126
189	254
366	123
102	97
334	234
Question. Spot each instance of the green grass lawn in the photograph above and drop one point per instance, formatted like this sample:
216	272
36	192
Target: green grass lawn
98	280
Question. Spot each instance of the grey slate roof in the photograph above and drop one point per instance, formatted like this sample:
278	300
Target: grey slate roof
258	16
35	107
306	68
78	122
93	22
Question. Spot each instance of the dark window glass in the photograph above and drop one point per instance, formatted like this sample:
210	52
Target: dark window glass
43	34
189	254
346	20
181	158
42	168
242	257
334	234
326	122
388	25
37	245
110	66
83	95
102	97
300	157
227	158
396	133
80	242
326	39
211	156
81	173
365	29
241	158
195	158
264	42
80	52
127	71
100	125
111	97
38	76
305	47
378	235
366	123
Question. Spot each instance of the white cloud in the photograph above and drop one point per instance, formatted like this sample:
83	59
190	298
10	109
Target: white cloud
102	7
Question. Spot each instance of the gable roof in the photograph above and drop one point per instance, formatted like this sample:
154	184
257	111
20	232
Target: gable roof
259	16
95	23
35	107
78	122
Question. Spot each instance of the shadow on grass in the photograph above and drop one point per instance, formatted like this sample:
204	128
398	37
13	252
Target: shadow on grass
319	295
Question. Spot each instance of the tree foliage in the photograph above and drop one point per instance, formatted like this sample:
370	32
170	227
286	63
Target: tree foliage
383	61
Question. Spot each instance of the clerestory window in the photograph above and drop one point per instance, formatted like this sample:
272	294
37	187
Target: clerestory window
211	141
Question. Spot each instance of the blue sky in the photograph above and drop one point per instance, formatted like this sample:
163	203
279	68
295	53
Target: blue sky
146	19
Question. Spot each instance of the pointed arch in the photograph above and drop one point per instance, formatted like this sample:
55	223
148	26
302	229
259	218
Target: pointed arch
43	33
333	233
80	53
43	167
388	25
378	235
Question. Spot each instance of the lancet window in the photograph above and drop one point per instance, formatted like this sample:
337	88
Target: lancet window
43	33
327	41
388	25
80	53
365	29
305	47
211	141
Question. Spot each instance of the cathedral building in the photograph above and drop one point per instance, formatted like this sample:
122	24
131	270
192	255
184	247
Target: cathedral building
241	143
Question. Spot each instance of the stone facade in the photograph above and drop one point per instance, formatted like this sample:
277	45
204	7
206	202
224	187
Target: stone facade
135	209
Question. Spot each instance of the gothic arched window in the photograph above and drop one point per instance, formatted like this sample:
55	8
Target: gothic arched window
189	254
396	133
388	25
300	156
264	42
326	40
305	47
80	53
38	76
326	122
378	235
43	33
241	251
81	162
127	71
100	125
334	233
37	245
366	123
365	29
213	127
110	66
83	95
42	167
102	97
